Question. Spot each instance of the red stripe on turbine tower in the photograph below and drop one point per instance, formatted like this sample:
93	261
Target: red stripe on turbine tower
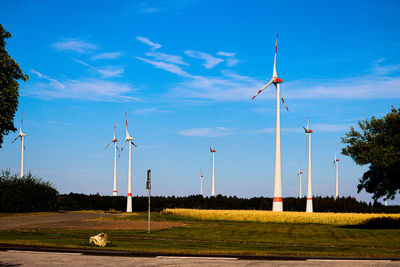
309	198
277	199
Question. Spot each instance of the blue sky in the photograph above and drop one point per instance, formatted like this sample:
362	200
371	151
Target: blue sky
185	72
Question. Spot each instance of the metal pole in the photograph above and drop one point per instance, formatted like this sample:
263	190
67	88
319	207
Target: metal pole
148	219
148	186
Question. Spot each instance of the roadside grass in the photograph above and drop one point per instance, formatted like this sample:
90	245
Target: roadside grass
222	237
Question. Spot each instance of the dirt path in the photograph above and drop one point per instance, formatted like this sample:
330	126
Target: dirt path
7	223
78	220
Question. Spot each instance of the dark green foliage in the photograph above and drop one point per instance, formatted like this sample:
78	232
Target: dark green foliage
381	223
10	72
377	144
74	201
27	194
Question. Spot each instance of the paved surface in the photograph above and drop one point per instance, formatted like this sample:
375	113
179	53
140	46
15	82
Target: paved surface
39	258
14	222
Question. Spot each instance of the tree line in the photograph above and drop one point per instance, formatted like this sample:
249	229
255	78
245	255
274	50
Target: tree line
31	194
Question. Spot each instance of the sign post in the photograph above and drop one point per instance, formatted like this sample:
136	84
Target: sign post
148	186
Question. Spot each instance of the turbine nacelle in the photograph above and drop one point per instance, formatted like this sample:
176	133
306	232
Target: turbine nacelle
212	150
276	80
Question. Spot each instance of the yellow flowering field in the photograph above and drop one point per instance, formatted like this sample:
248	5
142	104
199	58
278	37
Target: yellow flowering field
276	217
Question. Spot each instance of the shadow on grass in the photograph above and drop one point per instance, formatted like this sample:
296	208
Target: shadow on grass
378	223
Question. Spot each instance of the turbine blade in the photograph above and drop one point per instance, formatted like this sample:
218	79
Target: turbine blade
22	116
117	148
308	121
108	145
283	101
262	89
274	74
122	148
115	125
15	139
126	124
133	144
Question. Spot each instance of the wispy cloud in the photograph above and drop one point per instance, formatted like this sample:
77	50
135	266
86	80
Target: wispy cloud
170	6
105	71
217	88
90	90
166	66
108	55
145	40
210	61
166	58
230	58
75	45
111	71
152	110
53	82
207	132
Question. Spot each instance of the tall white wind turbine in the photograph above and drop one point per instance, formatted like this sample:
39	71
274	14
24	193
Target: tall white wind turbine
277	201
114	140
129	139
299	173
22	136
309	207
336	162
201	183
212	151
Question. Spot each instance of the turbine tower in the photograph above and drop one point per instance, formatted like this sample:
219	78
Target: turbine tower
212	151
22	136
299	173
129	139
309	188
277	201
336	162
114	140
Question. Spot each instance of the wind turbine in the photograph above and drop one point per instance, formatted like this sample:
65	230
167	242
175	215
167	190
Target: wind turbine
309	188
212	151
114	140
22	136
201	183
299	173
277	201
129	139
336	162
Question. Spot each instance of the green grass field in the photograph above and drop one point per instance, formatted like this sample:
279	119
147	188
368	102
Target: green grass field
220	237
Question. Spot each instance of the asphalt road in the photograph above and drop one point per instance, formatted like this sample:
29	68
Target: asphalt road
42	258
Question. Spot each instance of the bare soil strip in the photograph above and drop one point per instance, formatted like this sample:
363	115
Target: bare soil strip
78	220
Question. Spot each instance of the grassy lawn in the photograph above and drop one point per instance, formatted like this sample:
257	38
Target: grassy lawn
226	238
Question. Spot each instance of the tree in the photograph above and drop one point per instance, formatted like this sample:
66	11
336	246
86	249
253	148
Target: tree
10	72
377	144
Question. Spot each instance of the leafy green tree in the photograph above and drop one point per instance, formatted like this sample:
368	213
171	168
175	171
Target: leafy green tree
377	144
10	72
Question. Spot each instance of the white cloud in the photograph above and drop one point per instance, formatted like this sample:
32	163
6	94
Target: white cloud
76	45
226	54
105	71
153	46
109	55
153	110
207	132
166	58
231	60
166	66
90	90
210	61
53	82
111	71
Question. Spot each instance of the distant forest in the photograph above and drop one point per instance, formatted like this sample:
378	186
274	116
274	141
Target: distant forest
73	201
